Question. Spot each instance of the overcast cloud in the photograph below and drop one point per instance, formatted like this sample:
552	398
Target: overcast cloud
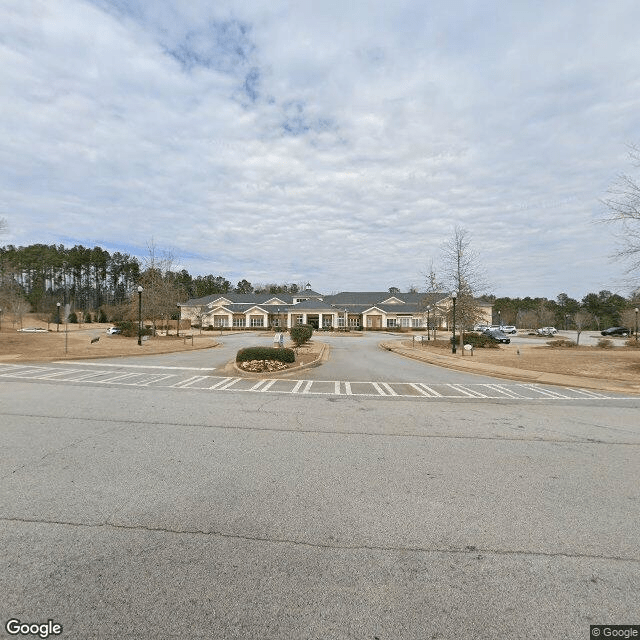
336	143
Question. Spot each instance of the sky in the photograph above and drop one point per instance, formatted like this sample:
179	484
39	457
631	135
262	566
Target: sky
335	143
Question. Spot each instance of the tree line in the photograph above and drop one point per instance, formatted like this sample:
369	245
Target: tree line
92	282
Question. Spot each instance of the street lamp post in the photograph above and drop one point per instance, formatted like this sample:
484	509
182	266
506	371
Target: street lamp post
58	327
499	319
429	323
454	295
140	314
636	310
0	319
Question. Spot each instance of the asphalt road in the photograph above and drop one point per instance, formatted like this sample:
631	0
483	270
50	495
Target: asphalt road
142	512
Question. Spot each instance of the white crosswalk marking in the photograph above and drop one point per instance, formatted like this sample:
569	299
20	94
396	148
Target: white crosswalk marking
177	378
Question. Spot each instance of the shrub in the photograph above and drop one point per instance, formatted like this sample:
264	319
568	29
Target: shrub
87	317
562	343
130	329
300	333
73	318
633	343
476	340
265	353
605	343
102	317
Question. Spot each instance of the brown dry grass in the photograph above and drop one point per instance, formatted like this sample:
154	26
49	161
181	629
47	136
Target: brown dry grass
45	347
618	363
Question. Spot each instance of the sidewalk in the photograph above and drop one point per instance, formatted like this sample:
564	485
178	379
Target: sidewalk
466	363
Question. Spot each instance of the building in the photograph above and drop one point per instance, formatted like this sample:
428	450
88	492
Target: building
355	310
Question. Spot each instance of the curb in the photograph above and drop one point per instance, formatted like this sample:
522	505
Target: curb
511	373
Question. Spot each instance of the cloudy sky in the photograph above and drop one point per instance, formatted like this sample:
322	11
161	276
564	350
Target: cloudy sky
331	142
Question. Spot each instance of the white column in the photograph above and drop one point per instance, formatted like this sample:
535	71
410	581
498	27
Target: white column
304	318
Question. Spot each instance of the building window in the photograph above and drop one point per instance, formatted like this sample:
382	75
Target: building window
405	322
416	322
369	322
392	322
354	321
299	319
239	322
276	322
257	321
220	321
341	321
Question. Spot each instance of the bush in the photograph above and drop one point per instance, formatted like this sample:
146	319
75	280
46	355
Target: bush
266	353
605	343
102	317
87	317
633	343
130	329
301	333
562	343
476	340
73	318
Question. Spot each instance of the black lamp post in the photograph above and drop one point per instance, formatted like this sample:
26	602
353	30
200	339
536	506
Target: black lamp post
58	327
499	320
429	323
0	319
636	310
140	314
454	295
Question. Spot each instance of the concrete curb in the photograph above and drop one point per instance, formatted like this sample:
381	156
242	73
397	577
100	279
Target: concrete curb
462	363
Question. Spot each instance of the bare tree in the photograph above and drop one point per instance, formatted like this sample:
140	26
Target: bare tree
623	203
161	293
463	272
581	319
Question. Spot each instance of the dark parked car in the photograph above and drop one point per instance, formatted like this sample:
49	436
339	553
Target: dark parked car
497	335
616	331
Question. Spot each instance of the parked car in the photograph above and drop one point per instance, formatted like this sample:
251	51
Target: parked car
112	330
508	328
498	336
480	327
616	331
547	331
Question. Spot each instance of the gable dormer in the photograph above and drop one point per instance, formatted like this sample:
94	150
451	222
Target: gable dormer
392	300
274	301
218	301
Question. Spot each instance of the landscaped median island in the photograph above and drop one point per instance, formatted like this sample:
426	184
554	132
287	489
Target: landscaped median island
268	360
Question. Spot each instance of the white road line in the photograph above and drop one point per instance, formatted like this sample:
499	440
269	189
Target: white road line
122	376
156	378
510	394
221	382
347	388
298	385
432	392
388	388
257	385
468	392
134	366
268	385
336	388
307	386
546	392
422	392
189	381
229	384
376	386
